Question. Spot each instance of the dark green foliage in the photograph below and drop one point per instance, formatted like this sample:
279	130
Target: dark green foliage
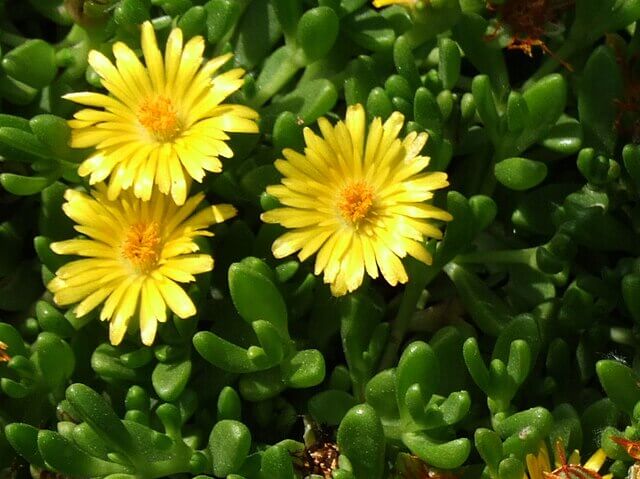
524	329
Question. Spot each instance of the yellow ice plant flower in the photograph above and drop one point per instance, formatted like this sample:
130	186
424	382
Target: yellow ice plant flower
357	199
162	123
134	254
539	465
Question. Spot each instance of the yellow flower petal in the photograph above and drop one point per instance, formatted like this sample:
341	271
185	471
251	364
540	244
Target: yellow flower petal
178	182
596	461
83	248
356	124
193	264
390	265
152	56
114	299
156	301
534	467
148	318
175	297
92	301
353	266
124	311
144	179
385	3
190	63
539	465
314	243
132	70
289	243
111	78
369	256
333	267
223	212
418	251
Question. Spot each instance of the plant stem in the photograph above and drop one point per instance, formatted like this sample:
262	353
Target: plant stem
524	256
11	39
489	182
242	6
401	323
552	62
420	276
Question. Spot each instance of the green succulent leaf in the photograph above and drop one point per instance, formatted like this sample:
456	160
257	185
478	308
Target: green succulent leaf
361	439
229	444
63	456
445	455
620	382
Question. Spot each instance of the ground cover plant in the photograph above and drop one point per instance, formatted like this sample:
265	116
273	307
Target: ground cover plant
278	239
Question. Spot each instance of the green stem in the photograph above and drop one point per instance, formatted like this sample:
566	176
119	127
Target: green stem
497	406
420	276
75	47
401	323
418	35
438	16
585	31
525	256
11	39
242	5
551	62
395	428
359	383
464	83
489	182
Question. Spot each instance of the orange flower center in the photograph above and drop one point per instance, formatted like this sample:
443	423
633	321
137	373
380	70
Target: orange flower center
355	201
159	118
141	246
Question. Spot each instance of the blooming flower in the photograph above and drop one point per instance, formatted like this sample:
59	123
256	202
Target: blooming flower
134	254
539	465
161	124
357	199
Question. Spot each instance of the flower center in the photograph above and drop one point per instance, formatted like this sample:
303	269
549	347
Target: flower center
141	246
355	201
159	118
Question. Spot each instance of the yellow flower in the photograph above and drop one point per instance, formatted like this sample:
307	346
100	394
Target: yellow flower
162	123
539	465
134	254
385	3
358	200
